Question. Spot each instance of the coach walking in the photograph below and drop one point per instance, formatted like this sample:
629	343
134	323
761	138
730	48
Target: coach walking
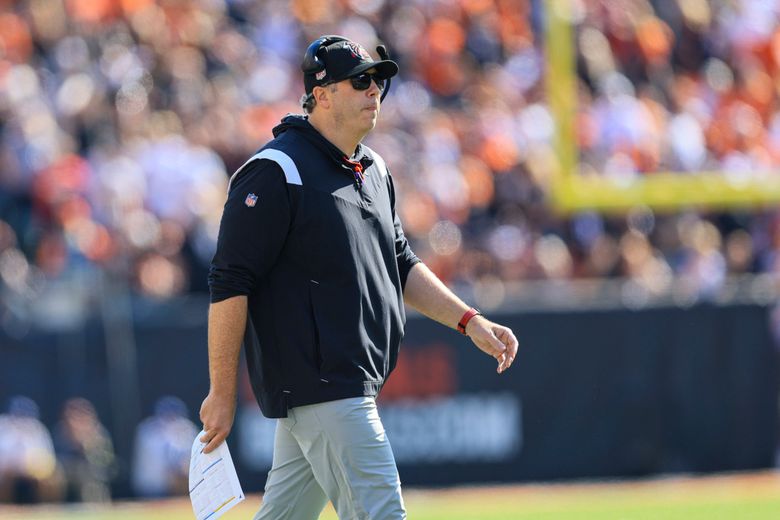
311	271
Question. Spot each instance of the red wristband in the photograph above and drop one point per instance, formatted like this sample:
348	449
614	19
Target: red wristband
465	320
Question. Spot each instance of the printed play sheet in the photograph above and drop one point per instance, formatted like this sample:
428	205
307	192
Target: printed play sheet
214	485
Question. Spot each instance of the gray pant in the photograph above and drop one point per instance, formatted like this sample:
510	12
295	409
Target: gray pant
335	451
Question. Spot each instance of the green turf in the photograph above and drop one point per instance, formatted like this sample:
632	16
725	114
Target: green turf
602	510
753	510
663	500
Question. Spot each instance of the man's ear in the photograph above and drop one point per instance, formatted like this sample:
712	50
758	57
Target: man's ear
323	96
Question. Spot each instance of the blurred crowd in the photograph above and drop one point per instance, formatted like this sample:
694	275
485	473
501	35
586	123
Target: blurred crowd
77	463
121	120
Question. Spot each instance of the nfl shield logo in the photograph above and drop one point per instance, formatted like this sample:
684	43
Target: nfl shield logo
251	200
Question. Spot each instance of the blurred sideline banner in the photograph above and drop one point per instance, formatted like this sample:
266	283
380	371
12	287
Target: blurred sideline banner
571	192
607	393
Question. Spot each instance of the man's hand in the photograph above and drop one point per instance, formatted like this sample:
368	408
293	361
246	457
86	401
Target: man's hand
493	339
427	294
216	414
227	322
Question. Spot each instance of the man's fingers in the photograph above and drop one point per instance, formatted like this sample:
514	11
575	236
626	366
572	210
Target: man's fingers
504	363
500	343
501	360
508	339
212	438
497	347
213	443
513	344
216	414
211	446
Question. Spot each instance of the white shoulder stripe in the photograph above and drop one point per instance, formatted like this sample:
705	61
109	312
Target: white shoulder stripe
280	158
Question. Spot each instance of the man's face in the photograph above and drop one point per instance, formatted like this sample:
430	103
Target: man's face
356	110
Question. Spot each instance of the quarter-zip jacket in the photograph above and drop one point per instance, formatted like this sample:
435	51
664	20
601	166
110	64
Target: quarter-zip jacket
313	239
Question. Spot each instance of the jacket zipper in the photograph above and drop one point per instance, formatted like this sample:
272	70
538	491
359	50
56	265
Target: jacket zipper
317	352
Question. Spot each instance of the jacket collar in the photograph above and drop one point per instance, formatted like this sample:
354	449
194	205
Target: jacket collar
354	166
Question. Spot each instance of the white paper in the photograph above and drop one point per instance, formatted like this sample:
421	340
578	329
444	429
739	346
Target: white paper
214	485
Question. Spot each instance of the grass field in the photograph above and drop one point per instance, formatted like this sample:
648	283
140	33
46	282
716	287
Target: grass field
754	496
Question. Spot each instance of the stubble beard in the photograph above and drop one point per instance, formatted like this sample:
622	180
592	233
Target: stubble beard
354	123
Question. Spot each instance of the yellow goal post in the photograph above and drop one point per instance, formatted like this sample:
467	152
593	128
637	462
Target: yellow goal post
572	192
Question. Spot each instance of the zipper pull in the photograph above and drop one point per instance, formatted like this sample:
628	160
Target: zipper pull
358	173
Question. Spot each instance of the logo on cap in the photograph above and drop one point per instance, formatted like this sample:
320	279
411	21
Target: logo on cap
358	51
321	75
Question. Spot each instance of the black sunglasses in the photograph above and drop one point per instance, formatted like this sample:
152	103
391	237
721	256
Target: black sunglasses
363	81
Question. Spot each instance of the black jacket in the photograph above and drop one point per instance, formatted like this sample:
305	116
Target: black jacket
313	239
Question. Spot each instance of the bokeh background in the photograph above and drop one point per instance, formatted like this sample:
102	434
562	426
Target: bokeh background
648	335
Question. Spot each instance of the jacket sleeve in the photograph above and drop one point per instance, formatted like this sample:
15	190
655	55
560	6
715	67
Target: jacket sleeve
404	255
254	226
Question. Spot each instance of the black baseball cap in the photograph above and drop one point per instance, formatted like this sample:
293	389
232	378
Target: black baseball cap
344	59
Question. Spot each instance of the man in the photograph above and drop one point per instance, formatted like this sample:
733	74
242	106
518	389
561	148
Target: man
161	456
28	463
311	271
85	451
